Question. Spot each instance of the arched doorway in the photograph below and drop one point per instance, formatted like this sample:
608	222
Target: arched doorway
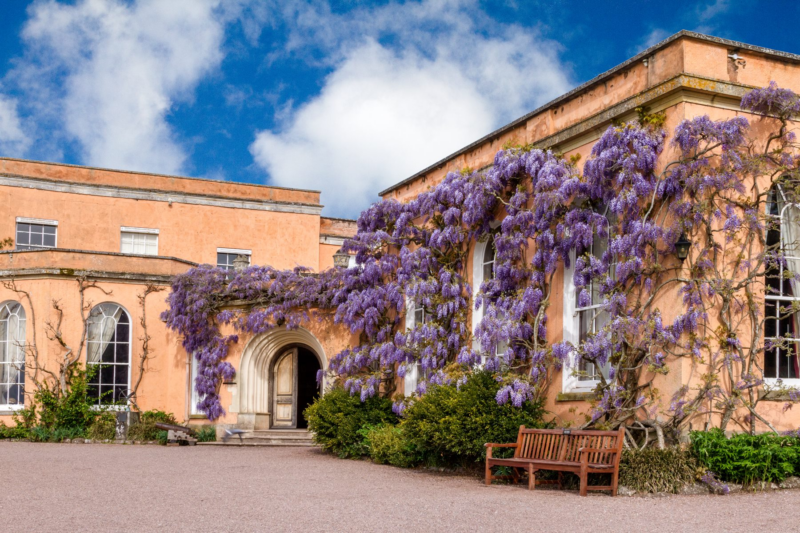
255	397
294	386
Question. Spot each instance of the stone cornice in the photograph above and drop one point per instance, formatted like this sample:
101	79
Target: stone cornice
50	263
50	273
112	191
682	88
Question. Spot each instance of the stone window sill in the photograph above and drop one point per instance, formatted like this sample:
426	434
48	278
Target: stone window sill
574	396
774	396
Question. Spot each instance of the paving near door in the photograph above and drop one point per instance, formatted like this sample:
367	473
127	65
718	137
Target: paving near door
105	487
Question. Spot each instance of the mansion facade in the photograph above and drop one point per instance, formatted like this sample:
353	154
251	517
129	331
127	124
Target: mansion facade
95	250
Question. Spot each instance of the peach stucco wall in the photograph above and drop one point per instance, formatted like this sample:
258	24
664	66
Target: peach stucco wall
282	228
684	56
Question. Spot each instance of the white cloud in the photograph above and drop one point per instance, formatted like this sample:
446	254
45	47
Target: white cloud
709	11
388	111
112	71
13	140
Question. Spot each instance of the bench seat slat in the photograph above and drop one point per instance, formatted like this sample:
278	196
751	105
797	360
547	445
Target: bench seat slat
560	450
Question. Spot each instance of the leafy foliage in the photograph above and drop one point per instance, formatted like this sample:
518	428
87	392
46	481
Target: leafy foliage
53	415
450	424
145	429
337	418
657	470
745	458
206	434
389	445
104	427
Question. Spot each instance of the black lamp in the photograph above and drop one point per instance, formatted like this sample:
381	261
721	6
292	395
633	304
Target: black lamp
682	247
341	259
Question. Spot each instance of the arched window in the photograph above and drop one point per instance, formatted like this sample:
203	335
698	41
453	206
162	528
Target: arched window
12	356
108	353
781	361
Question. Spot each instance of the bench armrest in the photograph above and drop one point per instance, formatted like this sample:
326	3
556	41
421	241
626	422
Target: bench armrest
597	450
490	445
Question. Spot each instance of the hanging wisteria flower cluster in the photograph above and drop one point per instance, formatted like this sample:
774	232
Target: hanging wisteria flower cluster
614	225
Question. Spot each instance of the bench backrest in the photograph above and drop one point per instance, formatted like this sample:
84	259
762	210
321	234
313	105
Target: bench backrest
565	445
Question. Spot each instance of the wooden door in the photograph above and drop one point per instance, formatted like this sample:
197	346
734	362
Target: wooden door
284	403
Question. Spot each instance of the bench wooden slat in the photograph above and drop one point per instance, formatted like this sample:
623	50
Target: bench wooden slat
561	450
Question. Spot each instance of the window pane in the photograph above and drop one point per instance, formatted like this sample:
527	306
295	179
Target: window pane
50	230
122	352
36	239
121	375
123	330
49	240
107	374
23	238
23	227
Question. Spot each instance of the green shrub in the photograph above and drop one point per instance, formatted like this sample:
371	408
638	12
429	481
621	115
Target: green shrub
69	413
17	431
388	445
656	470
449	427
206	434
145	429
746	458
104	427
335	419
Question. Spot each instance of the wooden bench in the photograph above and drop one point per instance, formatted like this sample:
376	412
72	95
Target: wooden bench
580	451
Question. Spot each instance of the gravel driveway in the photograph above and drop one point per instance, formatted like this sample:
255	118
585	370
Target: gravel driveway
102	487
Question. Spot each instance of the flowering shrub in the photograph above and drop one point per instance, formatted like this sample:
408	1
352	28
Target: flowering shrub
615	223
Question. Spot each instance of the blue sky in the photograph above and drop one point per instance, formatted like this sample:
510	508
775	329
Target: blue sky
344	97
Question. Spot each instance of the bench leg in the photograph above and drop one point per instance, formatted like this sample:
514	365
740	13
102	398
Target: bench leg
488	473
531	477
584	479
614	482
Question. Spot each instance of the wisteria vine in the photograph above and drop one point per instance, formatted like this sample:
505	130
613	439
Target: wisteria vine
615	225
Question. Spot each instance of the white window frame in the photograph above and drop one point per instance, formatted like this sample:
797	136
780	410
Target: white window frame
114	407
478	264
781	300
194	397
411	379
570	381
234	251
137	231
24	319
39	221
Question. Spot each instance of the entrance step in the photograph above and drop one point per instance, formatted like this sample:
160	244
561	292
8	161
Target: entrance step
269	437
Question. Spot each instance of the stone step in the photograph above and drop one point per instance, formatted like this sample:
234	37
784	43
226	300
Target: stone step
286	432
271	437
258	442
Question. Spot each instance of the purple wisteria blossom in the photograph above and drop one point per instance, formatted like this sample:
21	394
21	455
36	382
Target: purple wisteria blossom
613	224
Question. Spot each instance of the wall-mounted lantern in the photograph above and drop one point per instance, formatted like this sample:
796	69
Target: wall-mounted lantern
682	247
341	259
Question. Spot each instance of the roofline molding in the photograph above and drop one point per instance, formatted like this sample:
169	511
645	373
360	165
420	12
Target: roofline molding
785	56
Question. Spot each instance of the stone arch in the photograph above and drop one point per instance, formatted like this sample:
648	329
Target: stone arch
253	394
